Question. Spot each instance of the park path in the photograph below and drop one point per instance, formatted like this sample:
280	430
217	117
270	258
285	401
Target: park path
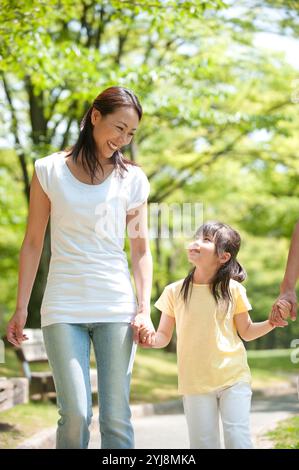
169	431
163	426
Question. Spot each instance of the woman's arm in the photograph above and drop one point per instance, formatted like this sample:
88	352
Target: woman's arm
287	287
142	265
249	330
292	269
30	253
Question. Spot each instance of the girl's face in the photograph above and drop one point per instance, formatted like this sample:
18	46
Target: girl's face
113	131
202	253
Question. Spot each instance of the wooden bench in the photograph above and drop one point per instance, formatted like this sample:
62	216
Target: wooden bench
33	351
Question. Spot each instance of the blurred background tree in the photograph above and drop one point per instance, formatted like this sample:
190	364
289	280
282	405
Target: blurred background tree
219	125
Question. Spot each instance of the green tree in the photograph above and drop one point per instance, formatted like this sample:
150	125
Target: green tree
58	54
220	124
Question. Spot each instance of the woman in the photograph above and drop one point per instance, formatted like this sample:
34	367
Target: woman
92	195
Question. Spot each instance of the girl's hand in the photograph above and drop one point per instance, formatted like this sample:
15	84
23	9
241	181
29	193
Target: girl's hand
142	320
146	338
284	308
14	330
280	313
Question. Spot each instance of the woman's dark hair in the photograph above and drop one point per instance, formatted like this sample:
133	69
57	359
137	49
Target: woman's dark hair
106	102
226	239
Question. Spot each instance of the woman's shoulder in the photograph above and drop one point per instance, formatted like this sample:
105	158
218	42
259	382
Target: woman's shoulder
134	171
49	160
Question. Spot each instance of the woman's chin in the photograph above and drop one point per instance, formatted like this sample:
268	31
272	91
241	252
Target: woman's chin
106	154
107	157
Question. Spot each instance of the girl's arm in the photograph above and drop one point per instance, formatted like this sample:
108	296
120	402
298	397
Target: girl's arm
30	253
163	335
142	266
249	330
164	332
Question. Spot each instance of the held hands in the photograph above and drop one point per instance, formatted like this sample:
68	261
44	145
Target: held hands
147	339
14	330
143	328
282	309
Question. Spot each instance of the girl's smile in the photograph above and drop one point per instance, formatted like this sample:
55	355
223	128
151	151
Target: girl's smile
202	254
204	249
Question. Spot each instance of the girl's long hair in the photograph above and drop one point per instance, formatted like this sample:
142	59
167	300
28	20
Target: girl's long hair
226	239
106	102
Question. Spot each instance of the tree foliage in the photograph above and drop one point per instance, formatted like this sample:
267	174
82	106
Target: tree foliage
220	122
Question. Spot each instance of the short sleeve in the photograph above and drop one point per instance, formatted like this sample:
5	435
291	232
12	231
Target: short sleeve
165	302
140	189
42	174
242	303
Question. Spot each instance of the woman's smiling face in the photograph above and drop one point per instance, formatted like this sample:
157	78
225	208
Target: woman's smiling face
113	131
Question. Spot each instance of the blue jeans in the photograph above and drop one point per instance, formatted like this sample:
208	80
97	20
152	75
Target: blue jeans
68	350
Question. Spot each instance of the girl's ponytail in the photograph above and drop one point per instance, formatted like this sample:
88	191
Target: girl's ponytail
238	272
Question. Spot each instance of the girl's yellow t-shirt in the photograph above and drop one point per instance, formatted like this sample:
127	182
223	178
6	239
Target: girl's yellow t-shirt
210	354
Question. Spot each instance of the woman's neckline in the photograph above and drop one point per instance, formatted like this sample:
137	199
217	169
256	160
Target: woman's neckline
81	183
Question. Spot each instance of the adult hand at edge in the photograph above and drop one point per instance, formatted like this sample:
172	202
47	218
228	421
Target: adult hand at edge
275	317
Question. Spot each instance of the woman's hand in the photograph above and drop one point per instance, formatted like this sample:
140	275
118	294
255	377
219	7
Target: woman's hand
143	323
14	330
146	338
284	306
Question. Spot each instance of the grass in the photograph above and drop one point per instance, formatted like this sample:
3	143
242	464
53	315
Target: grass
22	421
270	367
154	379
12	368
155	372
286	434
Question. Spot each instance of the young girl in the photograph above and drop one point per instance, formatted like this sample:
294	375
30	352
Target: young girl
210	310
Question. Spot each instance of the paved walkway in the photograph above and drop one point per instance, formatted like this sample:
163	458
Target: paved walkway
169	431
164	426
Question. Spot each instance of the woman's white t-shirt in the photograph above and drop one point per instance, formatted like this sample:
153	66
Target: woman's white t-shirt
89	279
